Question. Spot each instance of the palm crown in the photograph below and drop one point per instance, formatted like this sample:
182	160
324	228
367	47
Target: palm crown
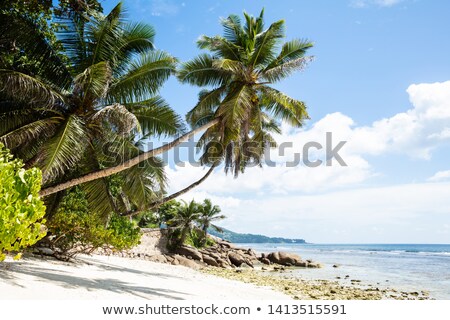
238	71
209	214
77	117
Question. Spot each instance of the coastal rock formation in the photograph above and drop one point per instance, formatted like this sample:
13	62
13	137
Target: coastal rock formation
238	260
190	252
183	261
288	259
223	254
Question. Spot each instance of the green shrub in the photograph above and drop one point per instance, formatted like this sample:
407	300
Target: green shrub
197	239
21	210
74	229
124	234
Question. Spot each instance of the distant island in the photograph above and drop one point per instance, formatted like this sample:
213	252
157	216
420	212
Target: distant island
250	238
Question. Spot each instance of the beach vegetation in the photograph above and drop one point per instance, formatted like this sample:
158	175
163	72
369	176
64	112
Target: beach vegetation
75	229
21	210
79	99
242	111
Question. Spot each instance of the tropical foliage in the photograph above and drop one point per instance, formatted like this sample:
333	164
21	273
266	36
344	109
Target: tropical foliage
185	220
88	114
240	67
209	214
21	210
74	229
191	221
160	217
241	111
80	105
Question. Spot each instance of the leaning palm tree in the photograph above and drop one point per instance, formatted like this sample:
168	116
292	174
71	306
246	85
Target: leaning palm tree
86	112
241	108
185	219
209	214
240	69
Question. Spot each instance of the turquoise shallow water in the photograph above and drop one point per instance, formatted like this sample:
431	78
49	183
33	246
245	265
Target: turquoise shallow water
409	267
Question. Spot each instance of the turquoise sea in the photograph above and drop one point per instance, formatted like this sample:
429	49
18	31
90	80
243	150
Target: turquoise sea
408	267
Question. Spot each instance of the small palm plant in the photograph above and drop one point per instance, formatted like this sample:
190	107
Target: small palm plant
186	219
209	214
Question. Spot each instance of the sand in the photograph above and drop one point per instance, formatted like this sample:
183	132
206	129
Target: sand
103	277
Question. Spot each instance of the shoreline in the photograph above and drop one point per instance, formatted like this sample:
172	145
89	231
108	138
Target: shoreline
112	277
283	280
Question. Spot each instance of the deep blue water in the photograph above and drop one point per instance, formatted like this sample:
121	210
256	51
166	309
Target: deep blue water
409	267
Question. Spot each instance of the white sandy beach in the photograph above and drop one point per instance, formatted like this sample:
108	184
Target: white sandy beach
101	277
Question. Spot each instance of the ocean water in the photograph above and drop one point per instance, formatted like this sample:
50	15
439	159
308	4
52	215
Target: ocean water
407	267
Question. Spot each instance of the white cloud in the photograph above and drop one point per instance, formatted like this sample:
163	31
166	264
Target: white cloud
165	7
440	176
416	132
387	214
333	203
411	133
380	3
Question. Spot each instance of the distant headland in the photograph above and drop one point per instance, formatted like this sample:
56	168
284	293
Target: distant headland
235	237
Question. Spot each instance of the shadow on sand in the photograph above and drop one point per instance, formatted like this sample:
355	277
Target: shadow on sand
62	278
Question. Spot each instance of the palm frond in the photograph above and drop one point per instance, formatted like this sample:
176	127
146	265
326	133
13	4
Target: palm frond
99	198
285	69
266	44
235	106
22	87
291	58
232	28
208	102
217	228
221	47
26	36
283	107
144	183
137	38
144	77
72	38
30	132
62	152
156	118
117	117
104	34
237	68
14	118
94	82
200	71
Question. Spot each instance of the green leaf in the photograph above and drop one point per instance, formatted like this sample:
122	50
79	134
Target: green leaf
156	118
143	78
63	151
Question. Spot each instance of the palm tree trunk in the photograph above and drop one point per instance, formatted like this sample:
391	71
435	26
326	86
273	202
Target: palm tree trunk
173	195
205	234
183	191
127	164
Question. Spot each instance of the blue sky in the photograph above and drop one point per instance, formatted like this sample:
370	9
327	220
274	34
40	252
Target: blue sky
380	80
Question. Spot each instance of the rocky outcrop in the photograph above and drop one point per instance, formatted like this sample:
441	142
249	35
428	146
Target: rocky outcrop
190	252
288	259
185	262
223	254
238	260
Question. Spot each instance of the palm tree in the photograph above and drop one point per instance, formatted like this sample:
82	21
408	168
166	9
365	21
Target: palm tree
242	64
185	219
241	109
209	214
75	118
